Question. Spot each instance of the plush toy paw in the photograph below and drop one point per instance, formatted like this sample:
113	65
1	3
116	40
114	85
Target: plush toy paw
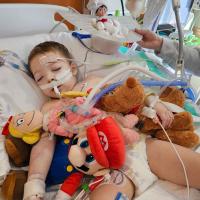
173	95
18	151
147	126
183	138
182	121
13	186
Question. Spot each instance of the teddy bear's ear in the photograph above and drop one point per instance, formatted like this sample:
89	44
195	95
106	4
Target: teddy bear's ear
131	82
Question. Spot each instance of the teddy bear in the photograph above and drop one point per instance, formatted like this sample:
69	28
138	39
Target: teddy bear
130	98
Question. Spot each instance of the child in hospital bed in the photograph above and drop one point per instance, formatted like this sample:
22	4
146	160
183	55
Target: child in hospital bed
50	61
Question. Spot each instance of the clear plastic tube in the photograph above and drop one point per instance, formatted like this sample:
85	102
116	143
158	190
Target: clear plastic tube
89	101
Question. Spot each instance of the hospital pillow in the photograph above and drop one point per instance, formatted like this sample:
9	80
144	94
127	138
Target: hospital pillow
23	45
18	93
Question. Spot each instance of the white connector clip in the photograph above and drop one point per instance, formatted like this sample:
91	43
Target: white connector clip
149	112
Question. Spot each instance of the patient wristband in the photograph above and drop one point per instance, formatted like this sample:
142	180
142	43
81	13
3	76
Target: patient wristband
151	100
148	112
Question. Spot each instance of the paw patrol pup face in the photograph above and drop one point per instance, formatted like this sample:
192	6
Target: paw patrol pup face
25	123
26	126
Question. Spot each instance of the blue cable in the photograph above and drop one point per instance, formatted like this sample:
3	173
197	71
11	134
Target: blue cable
81	36
152	83
148	83
119	194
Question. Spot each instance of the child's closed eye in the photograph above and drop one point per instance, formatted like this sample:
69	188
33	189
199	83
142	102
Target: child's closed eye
56	69
39	79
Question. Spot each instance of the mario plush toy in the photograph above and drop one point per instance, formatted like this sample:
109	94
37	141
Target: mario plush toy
93	151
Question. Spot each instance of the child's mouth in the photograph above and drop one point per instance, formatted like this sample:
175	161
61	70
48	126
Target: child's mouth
59	88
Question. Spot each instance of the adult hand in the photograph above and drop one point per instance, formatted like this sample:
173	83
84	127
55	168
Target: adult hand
150	40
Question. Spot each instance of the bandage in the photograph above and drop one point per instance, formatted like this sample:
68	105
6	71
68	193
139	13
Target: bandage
61	78
45	60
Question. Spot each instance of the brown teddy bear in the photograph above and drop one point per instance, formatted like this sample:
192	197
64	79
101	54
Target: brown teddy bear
130	98
19	153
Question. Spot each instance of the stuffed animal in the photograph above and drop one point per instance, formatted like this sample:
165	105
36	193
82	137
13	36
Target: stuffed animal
98	7
130	98
182	130
119	104
16	132
93	151
107	27
21	132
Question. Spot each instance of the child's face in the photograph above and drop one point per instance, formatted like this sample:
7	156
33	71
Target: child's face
50	67
101	11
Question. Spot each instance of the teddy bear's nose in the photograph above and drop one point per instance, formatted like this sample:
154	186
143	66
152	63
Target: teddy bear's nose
77	156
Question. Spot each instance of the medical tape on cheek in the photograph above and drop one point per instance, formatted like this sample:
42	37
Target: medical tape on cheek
61	78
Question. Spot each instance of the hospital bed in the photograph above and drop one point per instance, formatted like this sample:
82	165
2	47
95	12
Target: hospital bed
20	37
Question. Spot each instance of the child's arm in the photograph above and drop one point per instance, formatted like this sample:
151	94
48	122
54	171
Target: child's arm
49	105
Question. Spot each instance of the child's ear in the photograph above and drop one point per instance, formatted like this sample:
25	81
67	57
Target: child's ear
74	68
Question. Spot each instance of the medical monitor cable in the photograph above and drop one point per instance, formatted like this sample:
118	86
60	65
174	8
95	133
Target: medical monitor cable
151	113
181	161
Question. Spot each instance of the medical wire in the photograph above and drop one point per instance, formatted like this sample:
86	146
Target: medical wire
181	161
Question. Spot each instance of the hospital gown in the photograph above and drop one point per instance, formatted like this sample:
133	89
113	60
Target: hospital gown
169	53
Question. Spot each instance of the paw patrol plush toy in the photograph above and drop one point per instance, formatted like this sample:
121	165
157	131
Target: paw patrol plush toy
21	132
25	126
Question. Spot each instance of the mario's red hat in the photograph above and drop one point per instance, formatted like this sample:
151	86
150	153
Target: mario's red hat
107	144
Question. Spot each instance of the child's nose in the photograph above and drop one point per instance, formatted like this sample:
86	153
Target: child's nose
51	77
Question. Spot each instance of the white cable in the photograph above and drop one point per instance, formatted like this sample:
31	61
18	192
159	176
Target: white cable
181	161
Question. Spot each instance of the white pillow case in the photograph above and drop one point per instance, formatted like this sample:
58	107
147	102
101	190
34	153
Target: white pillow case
23	45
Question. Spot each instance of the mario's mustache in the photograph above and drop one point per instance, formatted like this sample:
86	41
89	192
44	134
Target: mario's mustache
83	168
